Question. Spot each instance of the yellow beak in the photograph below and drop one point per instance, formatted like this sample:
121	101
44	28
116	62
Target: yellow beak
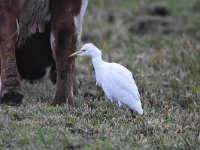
75	53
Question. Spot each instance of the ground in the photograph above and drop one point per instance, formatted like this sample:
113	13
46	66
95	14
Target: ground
159	41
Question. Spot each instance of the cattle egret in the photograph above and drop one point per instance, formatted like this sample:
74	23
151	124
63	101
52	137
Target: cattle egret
116	80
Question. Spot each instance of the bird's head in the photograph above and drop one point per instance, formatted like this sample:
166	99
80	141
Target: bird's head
88	49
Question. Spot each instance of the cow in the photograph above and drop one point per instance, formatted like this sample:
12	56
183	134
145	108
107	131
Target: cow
18	20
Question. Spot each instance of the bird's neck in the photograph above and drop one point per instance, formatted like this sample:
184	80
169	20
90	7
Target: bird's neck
97	62
99	68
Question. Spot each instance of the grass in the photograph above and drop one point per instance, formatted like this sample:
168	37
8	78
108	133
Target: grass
166	67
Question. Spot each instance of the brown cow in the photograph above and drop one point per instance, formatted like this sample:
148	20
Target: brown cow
18	19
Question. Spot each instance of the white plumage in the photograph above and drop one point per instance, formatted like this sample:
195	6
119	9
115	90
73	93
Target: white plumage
116	80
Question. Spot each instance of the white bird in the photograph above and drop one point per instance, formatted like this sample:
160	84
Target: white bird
116	80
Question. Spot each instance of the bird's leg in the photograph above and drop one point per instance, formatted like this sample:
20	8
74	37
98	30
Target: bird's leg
117	112
132	113
99	88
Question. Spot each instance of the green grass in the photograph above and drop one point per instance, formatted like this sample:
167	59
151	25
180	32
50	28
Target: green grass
166	68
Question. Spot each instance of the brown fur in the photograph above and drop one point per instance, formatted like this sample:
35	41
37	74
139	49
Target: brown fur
62	14
31	11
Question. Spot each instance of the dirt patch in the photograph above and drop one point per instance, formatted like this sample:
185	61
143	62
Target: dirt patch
153	25
196	6
158	10
156	20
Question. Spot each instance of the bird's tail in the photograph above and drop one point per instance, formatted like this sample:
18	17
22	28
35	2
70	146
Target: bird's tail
139	110
138	107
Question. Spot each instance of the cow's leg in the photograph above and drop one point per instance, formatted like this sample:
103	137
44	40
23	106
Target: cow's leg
63	42
10	85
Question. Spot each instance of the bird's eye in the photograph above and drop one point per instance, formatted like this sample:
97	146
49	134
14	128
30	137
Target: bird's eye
84	50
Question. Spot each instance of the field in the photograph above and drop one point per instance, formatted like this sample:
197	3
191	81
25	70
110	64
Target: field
159	41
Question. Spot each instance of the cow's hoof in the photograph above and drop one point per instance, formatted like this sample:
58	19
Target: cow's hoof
12	97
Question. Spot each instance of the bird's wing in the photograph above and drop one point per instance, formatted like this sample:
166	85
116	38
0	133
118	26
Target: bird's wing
120	69
121	88
109	85
117	78
124	78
